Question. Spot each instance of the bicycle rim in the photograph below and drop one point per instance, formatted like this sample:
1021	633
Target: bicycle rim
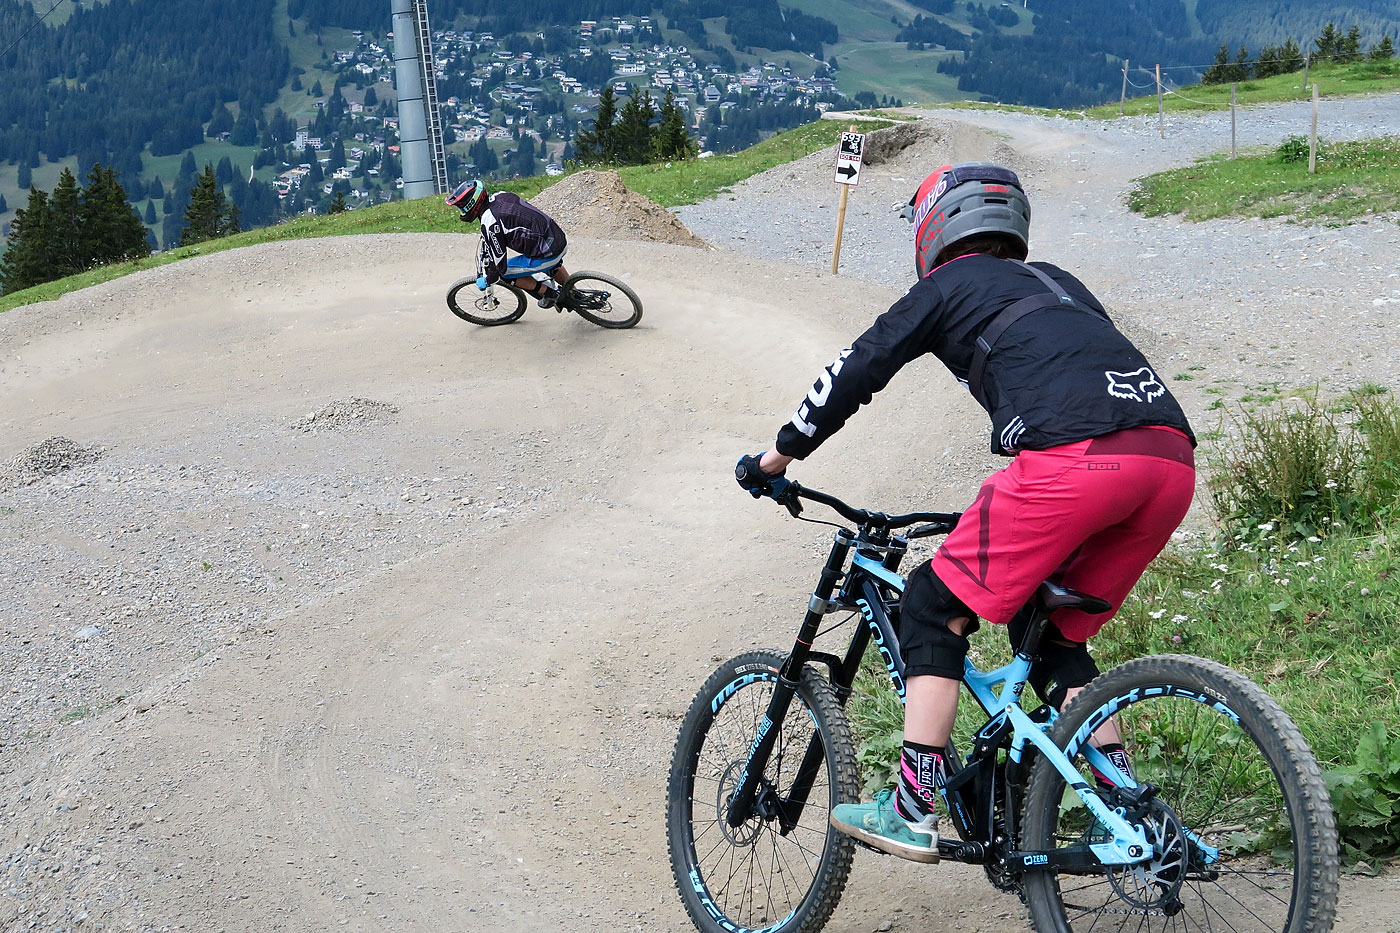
602	299
754	877
1243	834
499	304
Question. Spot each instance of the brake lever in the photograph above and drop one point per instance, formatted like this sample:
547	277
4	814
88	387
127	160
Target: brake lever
789	499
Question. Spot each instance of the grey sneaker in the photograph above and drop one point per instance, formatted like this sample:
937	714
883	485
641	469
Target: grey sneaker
877	824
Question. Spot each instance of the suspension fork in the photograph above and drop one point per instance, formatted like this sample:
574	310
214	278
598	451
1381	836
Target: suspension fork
741	804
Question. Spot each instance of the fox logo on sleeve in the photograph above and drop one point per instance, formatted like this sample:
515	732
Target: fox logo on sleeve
1140	385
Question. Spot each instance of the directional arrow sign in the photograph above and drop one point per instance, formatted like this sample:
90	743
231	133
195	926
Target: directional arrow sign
848	158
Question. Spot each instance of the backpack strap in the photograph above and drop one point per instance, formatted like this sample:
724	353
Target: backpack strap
1009	315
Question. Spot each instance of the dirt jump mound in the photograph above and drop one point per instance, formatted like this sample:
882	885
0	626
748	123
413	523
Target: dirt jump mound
598	204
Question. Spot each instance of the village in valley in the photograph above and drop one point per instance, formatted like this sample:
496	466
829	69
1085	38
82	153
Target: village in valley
513	104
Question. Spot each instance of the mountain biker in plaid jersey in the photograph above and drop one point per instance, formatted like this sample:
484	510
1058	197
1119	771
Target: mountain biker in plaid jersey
1102	472
509	222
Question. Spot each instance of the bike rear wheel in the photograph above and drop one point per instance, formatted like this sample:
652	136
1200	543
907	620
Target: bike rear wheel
487	308
755	877
602	299
1243	833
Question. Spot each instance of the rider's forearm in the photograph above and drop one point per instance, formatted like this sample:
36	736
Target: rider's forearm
773	462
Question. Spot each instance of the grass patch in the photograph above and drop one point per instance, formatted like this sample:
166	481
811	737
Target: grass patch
1014	108
1362	77
1298	592
670	184
1353	179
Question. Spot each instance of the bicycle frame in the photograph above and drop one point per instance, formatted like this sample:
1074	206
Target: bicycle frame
873	573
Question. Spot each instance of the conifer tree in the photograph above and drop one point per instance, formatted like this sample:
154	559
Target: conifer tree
672	138
205	218
150	218
338	205
4	207
1219	71
1383	49
1329	43
634	128
112	230
26	260
1349	49
599	143
66	241
232	216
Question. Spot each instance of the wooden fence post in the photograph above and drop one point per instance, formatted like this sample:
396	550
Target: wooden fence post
1123	97
1312	138
1161	116
1233	86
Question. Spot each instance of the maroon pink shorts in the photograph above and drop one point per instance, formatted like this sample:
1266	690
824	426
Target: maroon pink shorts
1090	515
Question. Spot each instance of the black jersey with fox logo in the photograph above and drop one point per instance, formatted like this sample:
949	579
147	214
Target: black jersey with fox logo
1057	375
510	223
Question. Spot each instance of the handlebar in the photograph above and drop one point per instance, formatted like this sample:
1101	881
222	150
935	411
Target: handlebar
937	522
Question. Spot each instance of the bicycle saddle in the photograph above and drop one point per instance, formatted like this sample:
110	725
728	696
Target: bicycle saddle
1052	596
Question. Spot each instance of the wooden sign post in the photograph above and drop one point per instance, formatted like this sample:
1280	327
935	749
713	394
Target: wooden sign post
848	156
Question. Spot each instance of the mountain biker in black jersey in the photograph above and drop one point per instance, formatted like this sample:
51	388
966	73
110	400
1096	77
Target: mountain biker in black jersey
508	222
1103	468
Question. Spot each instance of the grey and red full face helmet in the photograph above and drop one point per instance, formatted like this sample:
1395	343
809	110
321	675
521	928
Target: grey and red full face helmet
470	198
964	200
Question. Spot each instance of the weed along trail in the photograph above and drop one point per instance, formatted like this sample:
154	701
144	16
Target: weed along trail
326	610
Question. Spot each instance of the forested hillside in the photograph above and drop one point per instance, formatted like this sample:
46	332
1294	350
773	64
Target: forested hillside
1255	22
119	76
290	102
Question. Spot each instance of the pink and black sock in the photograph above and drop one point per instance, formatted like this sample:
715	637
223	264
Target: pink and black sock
1117	754
920	774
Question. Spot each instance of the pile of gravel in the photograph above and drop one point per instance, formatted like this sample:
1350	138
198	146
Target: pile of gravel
599	205
47	458
345	413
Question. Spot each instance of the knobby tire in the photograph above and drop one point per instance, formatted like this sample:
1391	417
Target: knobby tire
1236	774
622	309
751	877
475	309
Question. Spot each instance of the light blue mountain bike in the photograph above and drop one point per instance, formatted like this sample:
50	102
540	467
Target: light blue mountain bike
1226	827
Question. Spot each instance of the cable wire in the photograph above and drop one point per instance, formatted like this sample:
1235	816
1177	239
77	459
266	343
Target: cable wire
37	23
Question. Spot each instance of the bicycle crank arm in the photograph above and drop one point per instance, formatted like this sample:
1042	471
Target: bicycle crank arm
1069	861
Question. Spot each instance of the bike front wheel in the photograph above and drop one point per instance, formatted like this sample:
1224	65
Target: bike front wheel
602	299
1241	827
783	869
487	308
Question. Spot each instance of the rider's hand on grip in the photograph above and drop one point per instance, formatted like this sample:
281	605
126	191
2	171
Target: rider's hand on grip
751	476
481	282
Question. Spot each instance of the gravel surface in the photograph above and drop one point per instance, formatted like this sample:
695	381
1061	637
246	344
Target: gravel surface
1254	302
413	658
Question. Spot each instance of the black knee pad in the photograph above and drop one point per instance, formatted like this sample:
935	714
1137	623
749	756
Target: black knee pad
925	641
1061	664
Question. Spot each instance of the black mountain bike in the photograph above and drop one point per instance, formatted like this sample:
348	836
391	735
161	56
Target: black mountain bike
594	296
1227	825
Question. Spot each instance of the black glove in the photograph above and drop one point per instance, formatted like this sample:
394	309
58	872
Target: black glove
751	476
